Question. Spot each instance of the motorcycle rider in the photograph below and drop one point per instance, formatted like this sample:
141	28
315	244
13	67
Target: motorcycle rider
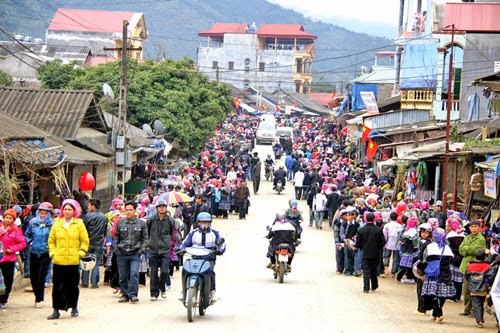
295	217
207	237
268	164
279	174
282	231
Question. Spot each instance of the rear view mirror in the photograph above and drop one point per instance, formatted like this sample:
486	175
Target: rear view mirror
268	228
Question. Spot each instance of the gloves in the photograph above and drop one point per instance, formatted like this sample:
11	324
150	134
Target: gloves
218	252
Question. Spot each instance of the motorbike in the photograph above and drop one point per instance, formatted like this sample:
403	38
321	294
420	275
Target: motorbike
281	267
269	172
279	186
278	153
196	279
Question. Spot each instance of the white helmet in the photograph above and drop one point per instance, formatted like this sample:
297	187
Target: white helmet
88	262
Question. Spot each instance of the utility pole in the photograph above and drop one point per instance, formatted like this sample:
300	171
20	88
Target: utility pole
119	133
448	116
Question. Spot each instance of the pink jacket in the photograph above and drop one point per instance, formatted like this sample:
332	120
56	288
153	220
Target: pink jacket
12	239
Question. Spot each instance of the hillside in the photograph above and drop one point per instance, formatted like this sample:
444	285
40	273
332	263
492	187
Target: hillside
173	26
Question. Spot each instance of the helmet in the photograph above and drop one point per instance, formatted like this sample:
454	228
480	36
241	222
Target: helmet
204	216
88	262
438	203
425	226
268	155
46	206
281	214
161	202
293	202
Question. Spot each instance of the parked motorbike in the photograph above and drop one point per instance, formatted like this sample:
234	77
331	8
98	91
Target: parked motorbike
279	186
281	267
269	172
196	279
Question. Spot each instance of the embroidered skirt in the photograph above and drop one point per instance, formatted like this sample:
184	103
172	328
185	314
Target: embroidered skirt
432	287
456	275
406	261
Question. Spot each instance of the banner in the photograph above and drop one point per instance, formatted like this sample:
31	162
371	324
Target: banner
368	98
490	184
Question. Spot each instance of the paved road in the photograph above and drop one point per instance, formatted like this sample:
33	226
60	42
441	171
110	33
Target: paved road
312	298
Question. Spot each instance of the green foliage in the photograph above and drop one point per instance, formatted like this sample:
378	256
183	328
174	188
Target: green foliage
56	75
478	143
189	104
5	79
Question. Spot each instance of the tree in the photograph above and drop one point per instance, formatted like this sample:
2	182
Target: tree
5	79
188	103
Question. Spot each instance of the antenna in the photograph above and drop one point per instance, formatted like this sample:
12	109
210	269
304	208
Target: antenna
158	126
108	92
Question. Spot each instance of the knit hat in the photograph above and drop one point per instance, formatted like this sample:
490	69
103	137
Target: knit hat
10	212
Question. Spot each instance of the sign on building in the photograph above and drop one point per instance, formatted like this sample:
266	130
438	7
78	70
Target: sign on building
368	98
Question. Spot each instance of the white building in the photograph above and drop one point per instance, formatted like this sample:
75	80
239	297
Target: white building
268	58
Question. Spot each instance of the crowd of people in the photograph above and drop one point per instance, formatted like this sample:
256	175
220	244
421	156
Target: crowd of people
442	252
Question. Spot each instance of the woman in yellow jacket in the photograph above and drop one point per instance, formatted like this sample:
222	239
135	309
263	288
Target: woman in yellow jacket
68	243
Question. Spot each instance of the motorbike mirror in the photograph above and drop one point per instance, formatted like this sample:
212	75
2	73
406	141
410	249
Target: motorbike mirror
268	228
221	241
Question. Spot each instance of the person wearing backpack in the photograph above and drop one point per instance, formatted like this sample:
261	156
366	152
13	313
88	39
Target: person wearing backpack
478	288
437	286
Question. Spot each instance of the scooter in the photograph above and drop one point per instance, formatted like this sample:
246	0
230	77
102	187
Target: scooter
281	266
196	279
269	172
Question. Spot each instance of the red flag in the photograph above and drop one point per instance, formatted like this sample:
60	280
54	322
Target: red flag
294	104
371	149
263	107
365	132
236	103
277	107
344	130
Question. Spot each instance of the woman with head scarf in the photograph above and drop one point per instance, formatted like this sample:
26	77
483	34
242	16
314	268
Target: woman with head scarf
438	285
68	243
13	241
455	237
408	247
37	236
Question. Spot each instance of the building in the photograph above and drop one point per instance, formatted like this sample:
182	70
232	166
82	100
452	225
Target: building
269	58
97	29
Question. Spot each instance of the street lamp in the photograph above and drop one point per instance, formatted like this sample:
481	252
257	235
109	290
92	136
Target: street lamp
448	116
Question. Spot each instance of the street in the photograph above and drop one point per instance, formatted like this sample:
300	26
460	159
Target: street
313	298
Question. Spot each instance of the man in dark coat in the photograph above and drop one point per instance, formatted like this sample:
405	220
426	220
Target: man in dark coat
256	176
370	239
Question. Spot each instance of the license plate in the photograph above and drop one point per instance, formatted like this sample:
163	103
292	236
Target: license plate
283	257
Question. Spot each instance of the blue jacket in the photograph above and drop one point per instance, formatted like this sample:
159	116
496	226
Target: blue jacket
206	239
37	234
288	162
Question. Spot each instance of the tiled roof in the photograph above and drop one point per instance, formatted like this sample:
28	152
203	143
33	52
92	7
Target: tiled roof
284	31
219	29
59	112
89	20
66	53
473	16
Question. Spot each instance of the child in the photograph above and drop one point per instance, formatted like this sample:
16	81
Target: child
477	286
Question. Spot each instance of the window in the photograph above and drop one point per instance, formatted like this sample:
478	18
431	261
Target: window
230	65
262	66
299	65
246	83
247	65
215	64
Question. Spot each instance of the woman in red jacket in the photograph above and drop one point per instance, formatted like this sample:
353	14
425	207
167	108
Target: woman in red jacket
13	241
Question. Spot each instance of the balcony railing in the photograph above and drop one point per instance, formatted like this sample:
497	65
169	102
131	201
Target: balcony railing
416	99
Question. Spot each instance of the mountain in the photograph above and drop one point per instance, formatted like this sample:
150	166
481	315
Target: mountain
173	26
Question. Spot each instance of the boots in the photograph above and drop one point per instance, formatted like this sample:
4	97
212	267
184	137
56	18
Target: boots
54	315
74	312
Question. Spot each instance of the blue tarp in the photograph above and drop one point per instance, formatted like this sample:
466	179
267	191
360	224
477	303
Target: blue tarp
419	68
357	103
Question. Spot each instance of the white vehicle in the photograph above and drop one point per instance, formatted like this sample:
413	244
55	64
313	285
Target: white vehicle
287	132
265	132
267	118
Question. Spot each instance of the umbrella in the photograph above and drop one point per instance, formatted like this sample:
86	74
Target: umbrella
174	197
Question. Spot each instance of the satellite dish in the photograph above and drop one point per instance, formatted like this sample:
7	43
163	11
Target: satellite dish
146	128
108	92
158	126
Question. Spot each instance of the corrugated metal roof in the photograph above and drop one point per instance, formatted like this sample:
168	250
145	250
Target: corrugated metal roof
59	112
52	144
89	20
219	29
379	74
94	140
399	118
66	53
136	136
284	31
473	16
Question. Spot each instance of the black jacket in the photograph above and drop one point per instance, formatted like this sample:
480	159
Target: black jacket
371	240
131	237
196	210
96	224
333	200
160	233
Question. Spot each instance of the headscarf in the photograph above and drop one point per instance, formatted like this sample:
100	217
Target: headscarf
73	203
424	205
434	223
115	202
439	235
411	223
454	225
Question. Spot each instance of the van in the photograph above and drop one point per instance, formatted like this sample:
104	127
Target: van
287	132
267	118
265	132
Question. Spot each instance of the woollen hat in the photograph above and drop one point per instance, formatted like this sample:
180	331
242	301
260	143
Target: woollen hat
10	212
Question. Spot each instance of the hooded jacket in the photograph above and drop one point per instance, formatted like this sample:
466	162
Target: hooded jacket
37	235
12	239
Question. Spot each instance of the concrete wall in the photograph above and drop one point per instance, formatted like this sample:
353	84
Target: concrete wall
18	67
279	64
479	53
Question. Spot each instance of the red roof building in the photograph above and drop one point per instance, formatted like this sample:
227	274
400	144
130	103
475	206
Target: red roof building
219	29
284	31
473	16
89	20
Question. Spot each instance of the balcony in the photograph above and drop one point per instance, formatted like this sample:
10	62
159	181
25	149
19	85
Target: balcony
440	109
417	99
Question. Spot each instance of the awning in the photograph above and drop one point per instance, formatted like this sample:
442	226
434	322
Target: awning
247	108
491	165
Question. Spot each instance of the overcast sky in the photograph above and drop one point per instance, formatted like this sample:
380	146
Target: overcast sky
382	11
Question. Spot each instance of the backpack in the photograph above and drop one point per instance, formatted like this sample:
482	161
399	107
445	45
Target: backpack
476	282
